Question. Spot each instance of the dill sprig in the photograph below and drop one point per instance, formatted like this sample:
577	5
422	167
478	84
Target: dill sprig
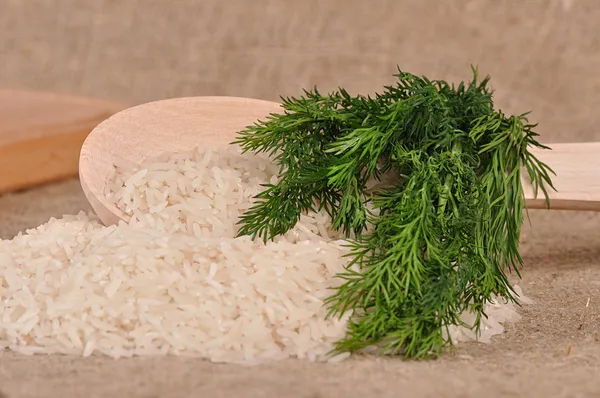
441	238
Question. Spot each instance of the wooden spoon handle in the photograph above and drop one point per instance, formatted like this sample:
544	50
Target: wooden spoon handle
41	135
577	179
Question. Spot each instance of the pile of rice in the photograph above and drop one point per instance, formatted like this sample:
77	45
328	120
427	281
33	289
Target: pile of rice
173	279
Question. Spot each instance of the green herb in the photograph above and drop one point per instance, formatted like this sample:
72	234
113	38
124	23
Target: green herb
441	238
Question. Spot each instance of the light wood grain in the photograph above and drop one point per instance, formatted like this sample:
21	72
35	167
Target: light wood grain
577	179
148	130
41	135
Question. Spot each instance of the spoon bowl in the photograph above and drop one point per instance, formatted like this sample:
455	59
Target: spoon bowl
149	130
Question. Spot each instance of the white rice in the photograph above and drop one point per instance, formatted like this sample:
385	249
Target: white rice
173	279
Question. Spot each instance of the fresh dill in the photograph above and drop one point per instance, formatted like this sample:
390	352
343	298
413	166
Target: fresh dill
437	242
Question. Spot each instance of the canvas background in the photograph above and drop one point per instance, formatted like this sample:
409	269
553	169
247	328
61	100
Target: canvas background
542	55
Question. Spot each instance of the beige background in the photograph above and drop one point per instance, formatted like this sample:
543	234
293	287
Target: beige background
543	56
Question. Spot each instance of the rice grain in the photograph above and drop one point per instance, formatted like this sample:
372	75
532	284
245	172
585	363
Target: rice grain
173	279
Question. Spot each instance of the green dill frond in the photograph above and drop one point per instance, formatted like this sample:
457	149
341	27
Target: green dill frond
441	239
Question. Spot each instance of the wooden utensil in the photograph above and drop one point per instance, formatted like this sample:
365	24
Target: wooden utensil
41	135
145	131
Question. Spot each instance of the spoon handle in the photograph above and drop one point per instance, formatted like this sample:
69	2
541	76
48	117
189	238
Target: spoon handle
41	135
577	179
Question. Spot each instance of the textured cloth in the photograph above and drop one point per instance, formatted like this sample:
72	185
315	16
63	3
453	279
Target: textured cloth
542	55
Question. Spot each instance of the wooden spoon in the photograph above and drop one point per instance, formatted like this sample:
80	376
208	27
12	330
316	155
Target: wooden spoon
146	131
41	135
